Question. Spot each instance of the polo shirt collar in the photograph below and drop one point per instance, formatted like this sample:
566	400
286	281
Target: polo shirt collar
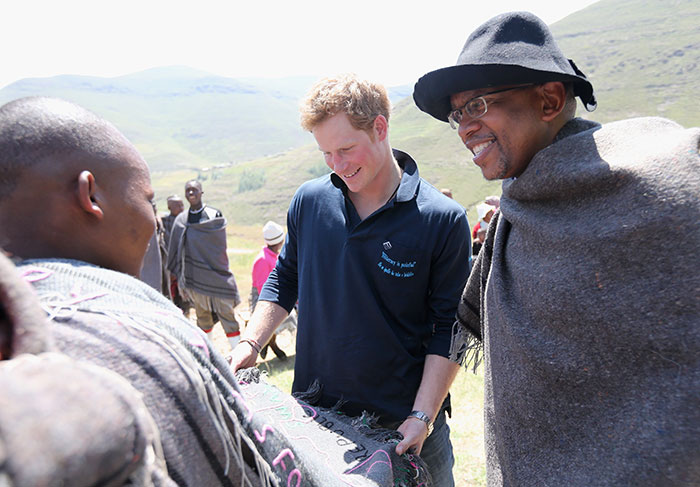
408	187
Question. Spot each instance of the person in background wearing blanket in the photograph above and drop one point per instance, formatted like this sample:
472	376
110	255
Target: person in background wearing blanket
197	258
588	323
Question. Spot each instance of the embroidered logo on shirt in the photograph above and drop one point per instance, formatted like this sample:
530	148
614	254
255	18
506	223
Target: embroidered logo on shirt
395	268
387	245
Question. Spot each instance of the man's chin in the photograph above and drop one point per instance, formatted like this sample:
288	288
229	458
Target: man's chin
490	174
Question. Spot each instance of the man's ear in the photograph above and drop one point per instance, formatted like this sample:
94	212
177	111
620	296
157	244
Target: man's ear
87	190
553	100
381	127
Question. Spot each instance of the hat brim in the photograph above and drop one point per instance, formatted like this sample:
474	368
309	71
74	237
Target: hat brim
432	91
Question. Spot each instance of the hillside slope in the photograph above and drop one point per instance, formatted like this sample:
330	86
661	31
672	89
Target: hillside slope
242	136
642	56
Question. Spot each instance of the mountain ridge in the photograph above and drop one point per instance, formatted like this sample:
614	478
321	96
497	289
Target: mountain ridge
241	136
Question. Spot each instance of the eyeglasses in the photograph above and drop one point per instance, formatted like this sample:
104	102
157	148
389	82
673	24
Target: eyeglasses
476	107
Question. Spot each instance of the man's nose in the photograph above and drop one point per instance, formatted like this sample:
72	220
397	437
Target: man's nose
337	162
467	127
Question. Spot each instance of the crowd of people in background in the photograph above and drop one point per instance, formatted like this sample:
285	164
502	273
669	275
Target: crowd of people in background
189	250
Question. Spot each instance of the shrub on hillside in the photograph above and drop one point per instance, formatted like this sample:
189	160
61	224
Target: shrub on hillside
251	180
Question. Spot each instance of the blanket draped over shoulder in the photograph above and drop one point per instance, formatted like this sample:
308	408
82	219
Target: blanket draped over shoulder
120	323
63	421
586	301
151	403
198	257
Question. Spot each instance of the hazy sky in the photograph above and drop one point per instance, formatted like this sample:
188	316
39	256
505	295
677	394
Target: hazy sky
388	41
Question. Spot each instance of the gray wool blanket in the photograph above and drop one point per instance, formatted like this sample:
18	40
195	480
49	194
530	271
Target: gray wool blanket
62	421
198	258
65	422
210	428
117	322
312	445
585	302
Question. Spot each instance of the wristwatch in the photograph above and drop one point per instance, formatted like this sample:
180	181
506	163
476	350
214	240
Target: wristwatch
423	417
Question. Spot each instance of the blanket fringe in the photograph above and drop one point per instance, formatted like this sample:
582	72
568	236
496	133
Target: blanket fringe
465	348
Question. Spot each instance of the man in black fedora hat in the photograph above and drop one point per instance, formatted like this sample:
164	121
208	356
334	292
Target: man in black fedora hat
583	319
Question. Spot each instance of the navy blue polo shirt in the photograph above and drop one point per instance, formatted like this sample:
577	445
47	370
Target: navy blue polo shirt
375	296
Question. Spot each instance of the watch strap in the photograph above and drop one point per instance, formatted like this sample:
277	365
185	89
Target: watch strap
423	417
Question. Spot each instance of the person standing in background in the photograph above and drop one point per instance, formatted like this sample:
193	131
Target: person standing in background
198	259
263	265
175	207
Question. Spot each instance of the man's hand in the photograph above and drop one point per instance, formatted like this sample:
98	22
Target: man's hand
414	433
243	356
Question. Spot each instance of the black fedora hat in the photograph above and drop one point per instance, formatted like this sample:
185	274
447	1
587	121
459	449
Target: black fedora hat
511	48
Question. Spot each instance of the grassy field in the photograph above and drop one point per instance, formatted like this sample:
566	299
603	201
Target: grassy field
467	423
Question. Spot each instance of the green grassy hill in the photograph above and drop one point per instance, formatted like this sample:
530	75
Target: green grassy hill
241	137
180	118
643	57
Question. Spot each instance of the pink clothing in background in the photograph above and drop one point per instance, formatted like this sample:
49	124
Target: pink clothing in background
263	265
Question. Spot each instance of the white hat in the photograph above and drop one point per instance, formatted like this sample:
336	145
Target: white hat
482	210
273	233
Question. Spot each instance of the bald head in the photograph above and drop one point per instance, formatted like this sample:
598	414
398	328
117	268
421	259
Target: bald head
69	182
51	131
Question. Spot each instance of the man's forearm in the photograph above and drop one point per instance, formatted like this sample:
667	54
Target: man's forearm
438	375
265	320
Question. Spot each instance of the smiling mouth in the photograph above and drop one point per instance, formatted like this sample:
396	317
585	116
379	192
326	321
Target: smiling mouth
347	176
478	149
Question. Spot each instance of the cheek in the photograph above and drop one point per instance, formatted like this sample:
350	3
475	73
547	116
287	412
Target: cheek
144	224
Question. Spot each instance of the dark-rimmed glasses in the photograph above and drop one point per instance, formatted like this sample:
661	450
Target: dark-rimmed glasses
476	107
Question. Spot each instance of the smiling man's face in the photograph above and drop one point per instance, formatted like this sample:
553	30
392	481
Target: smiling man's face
356	156
507	136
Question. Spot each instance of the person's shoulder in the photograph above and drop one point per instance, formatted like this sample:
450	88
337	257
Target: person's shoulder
646	139
316	190
431	199
651	124
260	257
315	186
213	212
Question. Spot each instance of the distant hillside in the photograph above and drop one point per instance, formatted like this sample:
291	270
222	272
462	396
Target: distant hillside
642	56
181	118
242	136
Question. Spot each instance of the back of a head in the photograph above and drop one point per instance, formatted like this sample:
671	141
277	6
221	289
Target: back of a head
46	146
360	99
273	233
36	130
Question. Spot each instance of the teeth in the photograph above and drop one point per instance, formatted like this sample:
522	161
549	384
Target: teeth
477	149
352	174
